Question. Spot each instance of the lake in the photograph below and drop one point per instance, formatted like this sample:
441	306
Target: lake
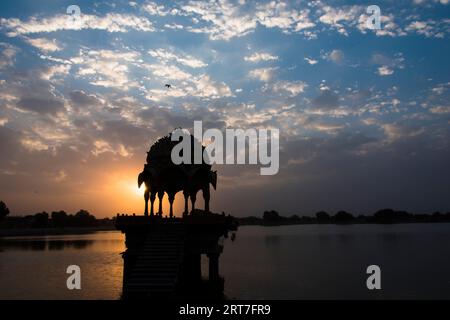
286	262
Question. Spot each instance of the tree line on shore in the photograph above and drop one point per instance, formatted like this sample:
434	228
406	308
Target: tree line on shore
61	219
55	219
272	217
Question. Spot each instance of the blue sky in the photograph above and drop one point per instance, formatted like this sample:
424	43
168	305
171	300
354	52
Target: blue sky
363	114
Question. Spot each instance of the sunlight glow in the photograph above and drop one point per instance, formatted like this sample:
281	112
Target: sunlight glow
138	191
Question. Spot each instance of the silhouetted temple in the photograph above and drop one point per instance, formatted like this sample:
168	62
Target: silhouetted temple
163	255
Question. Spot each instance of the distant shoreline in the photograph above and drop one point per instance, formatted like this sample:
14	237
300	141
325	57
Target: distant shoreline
266	224
383	216
59	223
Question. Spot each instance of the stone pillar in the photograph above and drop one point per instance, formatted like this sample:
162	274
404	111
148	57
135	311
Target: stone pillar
193	267
213	266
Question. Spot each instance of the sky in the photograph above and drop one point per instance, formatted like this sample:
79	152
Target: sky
363	114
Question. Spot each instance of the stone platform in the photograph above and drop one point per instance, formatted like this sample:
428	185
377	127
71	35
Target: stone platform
163	255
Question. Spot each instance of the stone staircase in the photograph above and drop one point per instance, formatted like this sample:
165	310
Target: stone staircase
157	268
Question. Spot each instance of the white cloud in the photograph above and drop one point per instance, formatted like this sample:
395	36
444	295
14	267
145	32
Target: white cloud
338	18
276	14
208	88
262	74
154	9
387	65
168	72
260	56
311	61
388	26
337	56
385	71
54	71
106	68
292	88
444	2
102	146
31	144
440	110
226	20
427	28
112	22
174	26
45	45
169	56
202	87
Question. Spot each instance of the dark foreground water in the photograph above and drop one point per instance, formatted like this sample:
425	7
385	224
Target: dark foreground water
288	262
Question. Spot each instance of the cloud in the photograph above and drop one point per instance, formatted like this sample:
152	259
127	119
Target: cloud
292	88
394	132
111	22
388	26
81	99
327	99
45	45
440	110
338	18
224	20
208	88
106	68
311	61
7	54
170	72
385	71
56	70
45	105
262	74
168	56
276	14
337	56
260	56
154	9
102	146
196	86
444	2
387	65
429	28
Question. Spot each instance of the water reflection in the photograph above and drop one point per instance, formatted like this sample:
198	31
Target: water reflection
44	245
272	240
35	267
390	237
290	262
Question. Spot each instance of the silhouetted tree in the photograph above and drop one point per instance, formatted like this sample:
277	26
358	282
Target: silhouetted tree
322	216
60	219
271	215
391	216
4	211
40	220
343	217
84	219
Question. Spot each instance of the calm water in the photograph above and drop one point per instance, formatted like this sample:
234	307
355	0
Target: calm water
288	262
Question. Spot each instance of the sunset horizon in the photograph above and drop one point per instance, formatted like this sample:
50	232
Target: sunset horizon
229	158
363	114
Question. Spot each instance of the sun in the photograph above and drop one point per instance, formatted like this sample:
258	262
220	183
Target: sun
133	189
138	191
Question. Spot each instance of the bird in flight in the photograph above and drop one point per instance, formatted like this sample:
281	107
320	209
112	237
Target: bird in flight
168	86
